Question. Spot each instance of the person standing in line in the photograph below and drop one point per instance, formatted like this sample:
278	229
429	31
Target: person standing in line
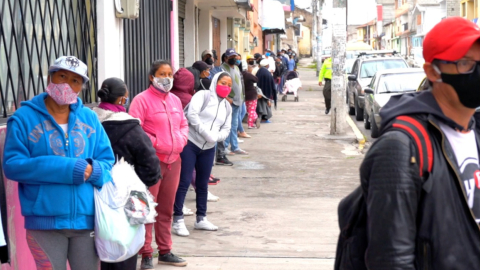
291	63
161	116
419	218
258	59
207	127
128	141
271	61
58	152
207	57
204	75
326	74
235	98
267	85
243	108
251	96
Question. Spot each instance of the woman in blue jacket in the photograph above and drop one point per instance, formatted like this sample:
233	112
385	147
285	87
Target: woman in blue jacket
58	152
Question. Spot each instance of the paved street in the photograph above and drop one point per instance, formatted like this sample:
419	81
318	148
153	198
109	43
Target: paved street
278	207
366	132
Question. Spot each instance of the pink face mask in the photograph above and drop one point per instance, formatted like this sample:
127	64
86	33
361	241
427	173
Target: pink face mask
62	93
223	91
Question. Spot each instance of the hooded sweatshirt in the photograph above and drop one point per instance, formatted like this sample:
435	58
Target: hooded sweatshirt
183	82
49	165
130	142
211	125
162	119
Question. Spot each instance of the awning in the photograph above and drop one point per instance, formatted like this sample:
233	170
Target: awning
272	17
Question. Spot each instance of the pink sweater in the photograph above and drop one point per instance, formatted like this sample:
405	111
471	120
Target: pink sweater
162	118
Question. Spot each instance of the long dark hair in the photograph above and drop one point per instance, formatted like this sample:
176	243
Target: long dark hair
155	66
112	89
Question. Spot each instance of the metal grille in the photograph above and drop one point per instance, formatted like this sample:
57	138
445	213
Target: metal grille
146	39
33	33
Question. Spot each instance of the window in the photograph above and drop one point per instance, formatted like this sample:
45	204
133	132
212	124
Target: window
33	33
419	19
369	68
397	83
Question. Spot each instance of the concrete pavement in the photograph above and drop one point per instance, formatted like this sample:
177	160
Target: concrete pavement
278	207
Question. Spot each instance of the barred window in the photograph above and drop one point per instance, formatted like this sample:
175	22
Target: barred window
33	33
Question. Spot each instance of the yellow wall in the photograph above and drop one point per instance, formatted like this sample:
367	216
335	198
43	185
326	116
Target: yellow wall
469	9
305	43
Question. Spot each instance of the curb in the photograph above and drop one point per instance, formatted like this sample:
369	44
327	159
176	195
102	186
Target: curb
358	134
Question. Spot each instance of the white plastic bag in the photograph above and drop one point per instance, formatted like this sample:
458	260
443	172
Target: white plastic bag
115	238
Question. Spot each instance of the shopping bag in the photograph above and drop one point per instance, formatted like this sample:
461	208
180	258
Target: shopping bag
115	238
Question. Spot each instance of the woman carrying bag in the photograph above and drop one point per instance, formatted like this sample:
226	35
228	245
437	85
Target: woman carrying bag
129	142
209	119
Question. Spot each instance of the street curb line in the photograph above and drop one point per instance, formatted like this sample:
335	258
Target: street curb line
358	134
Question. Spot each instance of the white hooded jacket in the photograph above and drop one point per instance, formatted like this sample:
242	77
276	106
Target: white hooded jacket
211	125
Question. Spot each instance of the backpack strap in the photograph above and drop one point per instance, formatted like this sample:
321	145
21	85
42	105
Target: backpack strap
206	99
418	131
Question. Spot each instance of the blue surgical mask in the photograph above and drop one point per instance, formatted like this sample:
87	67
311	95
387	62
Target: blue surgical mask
238	62
267	54
127	101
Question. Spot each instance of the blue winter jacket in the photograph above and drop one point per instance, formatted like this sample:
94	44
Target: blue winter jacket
49	165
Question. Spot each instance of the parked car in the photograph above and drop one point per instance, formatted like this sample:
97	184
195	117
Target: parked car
387	83
365	67
424	85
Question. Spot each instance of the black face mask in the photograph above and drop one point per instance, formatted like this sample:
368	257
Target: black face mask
209	61
466	86
232	61
251	63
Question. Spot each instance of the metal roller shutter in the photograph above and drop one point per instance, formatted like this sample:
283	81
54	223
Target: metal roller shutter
181	30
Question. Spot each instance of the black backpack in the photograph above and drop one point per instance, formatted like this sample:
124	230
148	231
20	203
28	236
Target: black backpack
352	211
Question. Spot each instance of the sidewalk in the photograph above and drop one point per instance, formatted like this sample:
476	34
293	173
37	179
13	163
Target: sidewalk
278	207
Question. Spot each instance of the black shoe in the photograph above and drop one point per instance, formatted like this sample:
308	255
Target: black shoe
223	161
171	259
147	264
327	111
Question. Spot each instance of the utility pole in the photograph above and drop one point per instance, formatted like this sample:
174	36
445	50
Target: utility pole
339	40
314	29
319	36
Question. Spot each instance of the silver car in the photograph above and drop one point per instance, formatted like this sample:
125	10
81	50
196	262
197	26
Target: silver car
384	84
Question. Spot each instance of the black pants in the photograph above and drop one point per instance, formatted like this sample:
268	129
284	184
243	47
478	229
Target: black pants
128	264
327	93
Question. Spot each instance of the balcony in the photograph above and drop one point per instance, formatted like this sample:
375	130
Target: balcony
245	4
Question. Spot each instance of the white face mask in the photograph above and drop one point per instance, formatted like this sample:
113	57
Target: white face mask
163	84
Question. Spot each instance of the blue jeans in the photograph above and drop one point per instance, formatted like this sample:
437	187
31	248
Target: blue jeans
233	137
202	161
241	115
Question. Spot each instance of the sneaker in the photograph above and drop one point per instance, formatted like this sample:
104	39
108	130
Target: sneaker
187	211
212	182
171	259
228	152
240	152
205	225
179	228
147	264
240	141
267	121
212	198
252	127
223	161
215	178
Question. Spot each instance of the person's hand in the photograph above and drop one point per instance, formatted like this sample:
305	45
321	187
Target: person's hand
229	100
269	104
319	83
259	96
88	171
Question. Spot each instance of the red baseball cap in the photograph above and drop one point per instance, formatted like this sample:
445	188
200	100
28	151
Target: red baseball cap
450	39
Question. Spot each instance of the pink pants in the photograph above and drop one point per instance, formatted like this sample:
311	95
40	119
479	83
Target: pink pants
164	193
252	112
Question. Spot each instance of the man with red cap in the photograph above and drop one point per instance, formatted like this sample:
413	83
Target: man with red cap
422	193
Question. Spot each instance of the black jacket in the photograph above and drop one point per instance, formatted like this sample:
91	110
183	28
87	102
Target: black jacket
416	223
130	142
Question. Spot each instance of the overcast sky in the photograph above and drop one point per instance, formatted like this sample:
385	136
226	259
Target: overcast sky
359	11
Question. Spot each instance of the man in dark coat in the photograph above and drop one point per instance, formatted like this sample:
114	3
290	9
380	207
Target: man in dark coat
266	83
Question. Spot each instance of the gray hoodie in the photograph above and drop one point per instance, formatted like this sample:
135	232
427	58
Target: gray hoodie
211	125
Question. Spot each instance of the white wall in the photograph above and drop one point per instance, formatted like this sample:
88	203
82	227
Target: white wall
205	30
191	48
110	42
175	37
433	15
